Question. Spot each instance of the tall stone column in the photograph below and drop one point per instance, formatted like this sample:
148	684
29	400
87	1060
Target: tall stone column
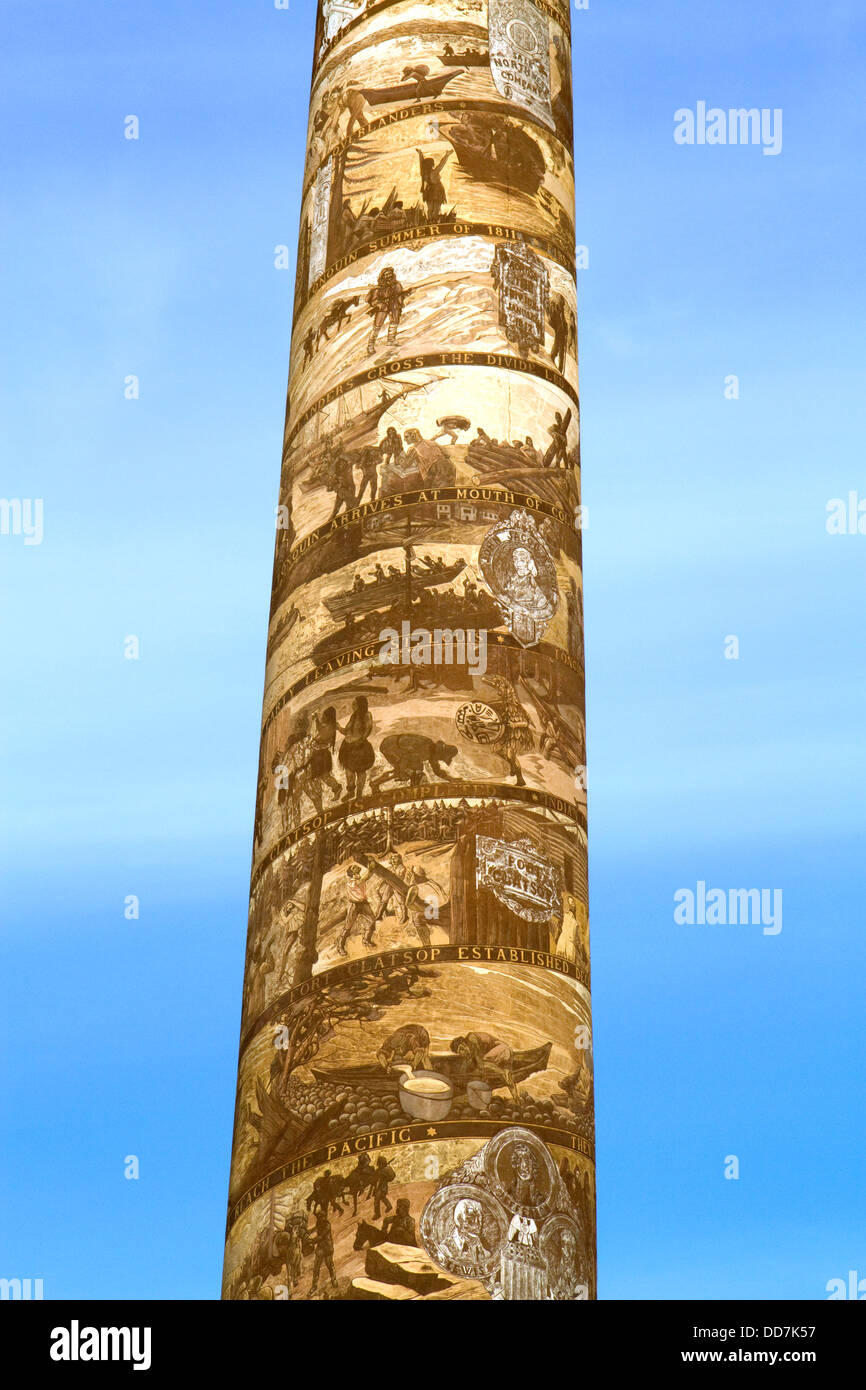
415	1097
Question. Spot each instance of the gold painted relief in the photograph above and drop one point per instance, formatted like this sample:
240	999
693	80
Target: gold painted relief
473	875
353	1229
343	1057
458	166
434	427
414	1114
374	736
446	295
498	592
483	50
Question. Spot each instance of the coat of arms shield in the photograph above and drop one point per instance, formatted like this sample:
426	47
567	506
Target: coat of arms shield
522	281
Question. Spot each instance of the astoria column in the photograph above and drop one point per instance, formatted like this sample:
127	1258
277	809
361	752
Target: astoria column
414	1115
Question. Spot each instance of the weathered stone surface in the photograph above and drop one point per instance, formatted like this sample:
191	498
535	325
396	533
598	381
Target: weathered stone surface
376	1290
372	1289
460	1288
406	1265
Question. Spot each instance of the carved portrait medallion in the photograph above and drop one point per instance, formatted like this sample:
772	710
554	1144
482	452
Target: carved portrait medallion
519	568
463	1228
505	1217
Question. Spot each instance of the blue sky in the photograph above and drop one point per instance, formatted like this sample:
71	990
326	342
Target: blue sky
706	519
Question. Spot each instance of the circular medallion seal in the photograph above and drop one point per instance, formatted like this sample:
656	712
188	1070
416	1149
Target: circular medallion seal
521	36
462	1229
521	1172
561	1246
479	722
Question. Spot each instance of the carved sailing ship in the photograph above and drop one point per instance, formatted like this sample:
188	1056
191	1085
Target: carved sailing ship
355	430
492	151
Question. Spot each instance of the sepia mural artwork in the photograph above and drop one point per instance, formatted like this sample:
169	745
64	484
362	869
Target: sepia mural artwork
414	1112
